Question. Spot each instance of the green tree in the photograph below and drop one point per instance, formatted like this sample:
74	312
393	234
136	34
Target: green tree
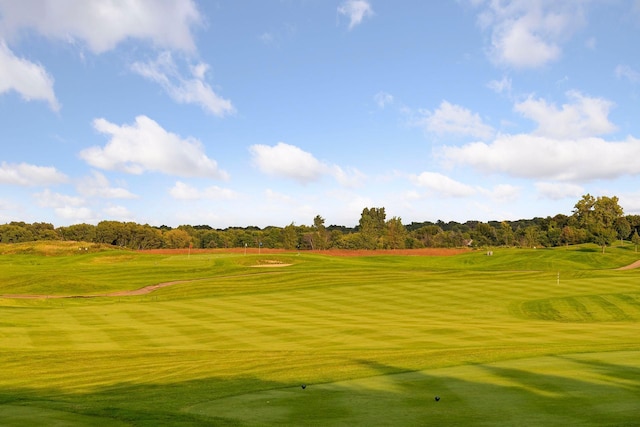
635	239
290	237
599	217
15	232
78	232
606	212
372	224
321	237
428	235
583	211
483	235
177	239
396	234
43	231
623	228
506	235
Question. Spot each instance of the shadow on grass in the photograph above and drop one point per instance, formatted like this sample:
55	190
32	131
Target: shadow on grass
592	393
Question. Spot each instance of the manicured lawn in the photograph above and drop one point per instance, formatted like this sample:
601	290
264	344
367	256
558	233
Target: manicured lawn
523	337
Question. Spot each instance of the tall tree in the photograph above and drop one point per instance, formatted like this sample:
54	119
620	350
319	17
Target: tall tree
290	237
320	236
583	211
395	234
599	217
372	223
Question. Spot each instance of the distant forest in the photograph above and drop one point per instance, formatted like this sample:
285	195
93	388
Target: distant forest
599	220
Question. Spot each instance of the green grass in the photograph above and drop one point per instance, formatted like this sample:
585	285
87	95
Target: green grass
498	338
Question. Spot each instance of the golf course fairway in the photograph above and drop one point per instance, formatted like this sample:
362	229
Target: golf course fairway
525	337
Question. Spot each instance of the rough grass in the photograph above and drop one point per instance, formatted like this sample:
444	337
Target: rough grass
373	338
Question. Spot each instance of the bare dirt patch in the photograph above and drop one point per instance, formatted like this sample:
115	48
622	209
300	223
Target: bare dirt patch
271	265
329	252
630	266
142	291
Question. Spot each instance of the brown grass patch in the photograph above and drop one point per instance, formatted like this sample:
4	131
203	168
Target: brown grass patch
329	252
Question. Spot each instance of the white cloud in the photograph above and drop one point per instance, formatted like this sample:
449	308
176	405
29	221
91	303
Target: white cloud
49	199
98	186
626	72
631	201
119	213
103	25
146	146
500	86
454	119
288	161
531	156
558	190
30	80
583	117
349	178
383	99
442	184
66	207
184	191
356	11
184	90
30	175
274	196
503	193
529	34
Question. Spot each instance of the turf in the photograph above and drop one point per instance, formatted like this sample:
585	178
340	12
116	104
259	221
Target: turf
523	337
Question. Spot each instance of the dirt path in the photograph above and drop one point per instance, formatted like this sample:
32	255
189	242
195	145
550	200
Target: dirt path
630	266
141	291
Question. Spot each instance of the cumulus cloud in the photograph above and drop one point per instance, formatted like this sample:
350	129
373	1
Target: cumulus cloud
28	175
98	185
584	116
183	89
565	148
101	26
529	34
49	199
291	162
453	119
348	178
356	11
502	192
288	161
118	212
558	190
442	184
28	79
184	191
66	207
531	156
146	146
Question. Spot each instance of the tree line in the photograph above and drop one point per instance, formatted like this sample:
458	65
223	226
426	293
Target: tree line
598	220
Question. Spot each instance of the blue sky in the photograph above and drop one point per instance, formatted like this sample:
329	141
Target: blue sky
270	112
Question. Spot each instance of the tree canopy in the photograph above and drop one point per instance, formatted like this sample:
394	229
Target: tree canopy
599	220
